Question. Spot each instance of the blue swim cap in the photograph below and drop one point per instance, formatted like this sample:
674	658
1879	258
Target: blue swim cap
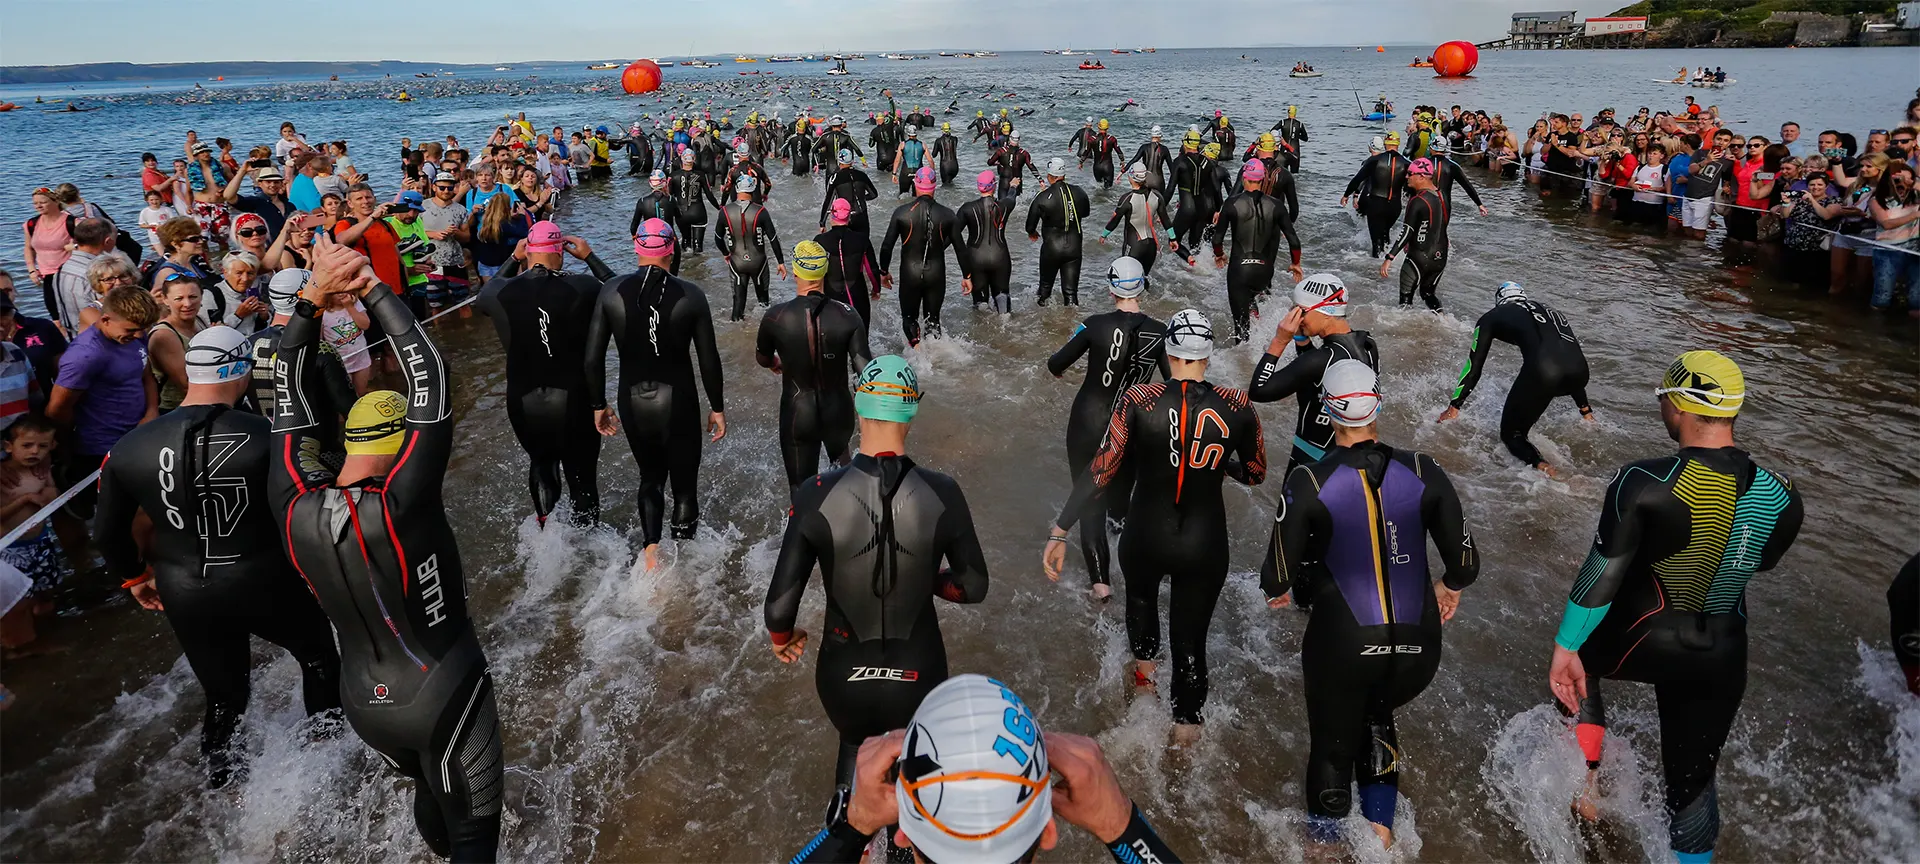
888	390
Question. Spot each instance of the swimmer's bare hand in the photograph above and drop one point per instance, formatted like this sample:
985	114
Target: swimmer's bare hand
1298	274
605	421
1587	415
147	595
1483	210
1281	602
966	285
795	647
1088	795
1053	559
1568	678
337	269
577	247
1448	600
1384	266
873	805
717	424
1448	414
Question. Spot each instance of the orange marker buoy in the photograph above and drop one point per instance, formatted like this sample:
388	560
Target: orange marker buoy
641	76
1455	59
1380	49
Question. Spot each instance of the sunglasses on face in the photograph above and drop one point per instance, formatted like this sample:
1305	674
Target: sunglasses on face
193	240
1903	141
250	232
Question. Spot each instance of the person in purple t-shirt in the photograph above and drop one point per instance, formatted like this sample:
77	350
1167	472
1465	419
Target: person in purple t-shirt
103	389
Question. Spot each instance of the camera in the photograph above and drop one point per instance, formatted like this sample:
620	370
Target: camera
415	247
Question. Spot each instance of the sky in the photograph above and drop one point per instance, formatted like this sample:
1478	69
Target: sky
492	31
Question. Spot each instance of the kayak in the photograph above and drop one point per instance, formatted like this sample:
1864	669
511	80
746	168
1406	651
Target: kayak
1093	66
1376	115
1420	65
1304	74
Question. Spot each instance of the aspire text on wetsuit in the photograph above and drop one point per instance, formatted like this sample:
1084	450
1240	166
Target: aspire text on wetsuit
655	318
1123	349
1181	432
810	341
1348	542
1661	599
879	529
1551	365
385	564
924	227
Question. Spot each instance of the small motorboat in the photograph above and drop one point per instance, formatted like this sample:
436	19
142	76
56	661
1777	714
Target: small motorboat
1093	65
1304	74
596	67
1120	51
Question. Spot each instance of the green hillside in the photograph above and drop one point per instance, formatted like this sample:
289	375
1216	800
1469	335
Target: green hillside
1683	23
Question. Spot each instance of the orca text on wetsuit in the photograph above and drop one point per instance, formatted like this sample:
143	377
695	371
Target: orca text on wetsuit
656	318
385	564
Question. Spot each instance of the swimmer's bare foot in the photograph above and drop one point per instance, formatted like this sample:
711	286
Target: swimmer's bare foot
652	556
1140	677
1585	806
1384	833
1102	591
1548	470
1186	734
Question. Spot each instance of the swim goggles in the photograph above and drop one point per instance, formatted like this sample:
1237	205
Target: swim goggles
913	788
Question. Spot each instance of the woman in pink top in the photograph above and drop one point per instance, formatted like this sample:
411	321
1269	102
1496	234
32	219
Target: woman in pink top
48	243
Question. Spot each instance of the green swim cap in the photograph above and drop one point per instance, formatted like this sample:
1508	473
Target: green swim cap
888	390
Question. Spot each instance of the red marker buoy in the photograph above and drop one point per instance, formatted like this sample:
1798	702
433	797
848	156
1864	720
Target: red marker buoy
640	76
1455	59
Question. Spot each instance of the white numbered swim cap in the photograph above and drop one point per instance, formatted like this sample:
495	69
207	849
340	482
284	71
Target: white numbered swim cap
1189	336
1323	293
1508	292
1349	390
746	183
283	291
217	355
1126	278
974	783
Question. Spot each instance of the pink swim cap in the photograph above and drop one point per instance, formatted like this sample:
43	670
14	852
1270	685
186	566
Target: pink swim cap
923	179
986	181
1421	166
842	211
655	239
1256	171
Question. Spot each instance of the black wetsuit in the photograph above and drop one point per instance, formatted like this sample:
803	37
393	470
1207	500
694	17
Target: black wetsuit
879	529
1100	149
912	155
980	226
656	205
1425	239
946	149
328	387
1058	214
798	151
1186	430
812	340
1380	182
200	472
1007	163
1661	599
1347	542
744	236
541	318
383	560
1257	222
1191	173
1155	156
639	156
1291	132
853	270
1447	172
1081	144
1225	136
691	194
1123	349
1313	431
1551	365
1278	183
885	137
1145	213
762	184
924	228
655	318
853	185
1903	612
826	149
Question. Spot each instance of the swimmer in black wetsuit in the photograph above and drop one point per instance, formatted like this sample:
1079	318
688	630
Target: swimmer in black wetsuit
797	149
1154	157
1190	173
1100	152
691	194
851	185
1379	183
1447	172
1292	132
853	270
1056	220
1373	633
1551	365
1257	222
827	149
924	228
657	204
1144	212
1661	598
1319	311
1903	608
330	388
980	227
810	341
1424	237
1081	144
656	318
744	166
879	529
1278	181
214	565
1009	160
541	316
946	149
374	543
1122	347
744	236
1177	522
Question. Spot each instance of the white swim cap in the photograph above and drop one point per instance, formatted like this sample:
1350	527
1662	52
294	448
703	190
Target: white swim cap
1189	336
284	289
1508	292
1348	389
1056	167
1138	174
1156	131
217	355
1126	278
974	783
746	183
1323	293
1377	144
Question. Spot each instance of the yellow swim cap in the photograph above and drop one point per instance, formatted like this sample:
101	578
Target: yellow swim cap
375	422
946	127
810	261
1211	151
1103	123
1704	383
